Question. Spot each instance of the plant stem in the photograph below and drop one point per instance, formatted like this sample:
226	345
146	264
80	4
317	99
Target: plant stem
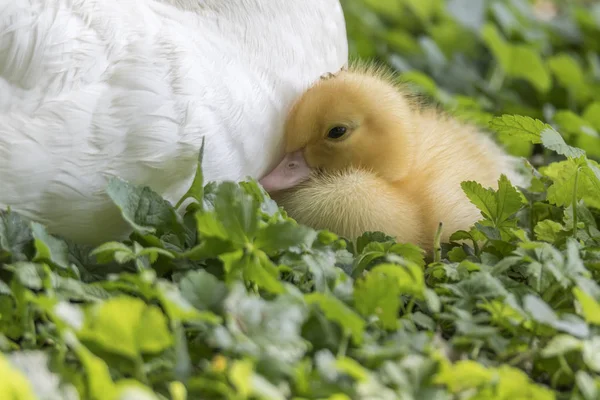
574	204
343	345
497	79
437	246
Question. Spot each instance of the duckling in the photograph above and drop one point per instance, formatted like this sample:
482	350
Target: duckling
362	154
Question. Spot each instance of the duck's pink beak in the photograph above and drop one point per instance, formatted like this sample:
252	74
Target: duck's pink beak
291	171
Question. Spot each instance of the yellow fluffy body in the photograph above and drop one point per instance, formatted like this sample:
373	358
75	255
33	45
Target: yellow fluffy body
398	169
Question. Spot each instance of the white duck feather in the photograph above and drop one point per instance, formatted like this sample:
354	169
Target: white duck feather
96	88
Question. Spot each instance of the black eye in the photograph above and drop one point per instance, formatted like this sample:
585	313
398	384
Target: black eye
336	132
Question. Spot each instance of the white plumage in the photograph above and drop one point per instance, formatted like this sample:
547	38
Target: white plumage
96	88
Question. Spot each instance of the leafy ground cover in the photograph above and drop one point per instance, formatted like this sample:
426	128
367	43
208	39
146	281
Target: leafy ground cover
233	300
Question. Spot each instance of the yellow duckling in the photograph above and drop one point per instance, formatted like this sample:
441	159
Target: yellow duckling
362	156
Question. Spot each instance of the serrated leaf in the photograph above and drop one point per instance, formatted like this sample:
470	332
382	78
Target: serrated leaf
547	230
520	126
48	248
565	175
370	237
203	290
484	199
270	330
235	216
553	140
15	236
252	267
508	199
282	235
144	210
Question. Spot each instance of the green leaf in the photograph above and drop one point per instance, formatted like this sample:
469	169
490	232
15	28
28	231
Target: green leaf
283	235
352	368
112	251
566	70
470	14
196	190
547	230
177	308
340	313
517	60
203	290
573	176
210	227
553	140
498	46
560	345
592	115
15	236
483	199
408	277
13	384
497	206
463	375
370	237
590	307
144	210
526	63
48	248
591	353
508	199
378	295
97	375
235	216
423	82
539	310
520	126
127	326
424	9
269	330
241	376
253	267
569	122
515	384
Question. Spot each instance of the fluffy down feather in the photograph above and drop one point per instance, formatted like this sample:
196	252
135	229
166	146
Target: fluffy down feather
397	168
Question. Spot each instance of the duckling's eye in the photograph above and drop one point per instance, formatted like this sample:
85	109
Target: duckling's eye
337	132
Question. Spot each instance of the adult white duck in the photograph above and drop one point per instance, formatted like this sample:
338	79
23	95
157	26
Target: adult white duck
97	88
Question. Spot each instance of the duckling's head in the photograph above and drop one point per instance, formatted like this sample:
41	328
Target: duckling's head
356	118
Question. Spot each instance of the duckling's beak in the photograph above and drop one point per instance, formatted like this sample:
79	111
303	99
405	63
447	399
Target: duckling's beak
291	171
